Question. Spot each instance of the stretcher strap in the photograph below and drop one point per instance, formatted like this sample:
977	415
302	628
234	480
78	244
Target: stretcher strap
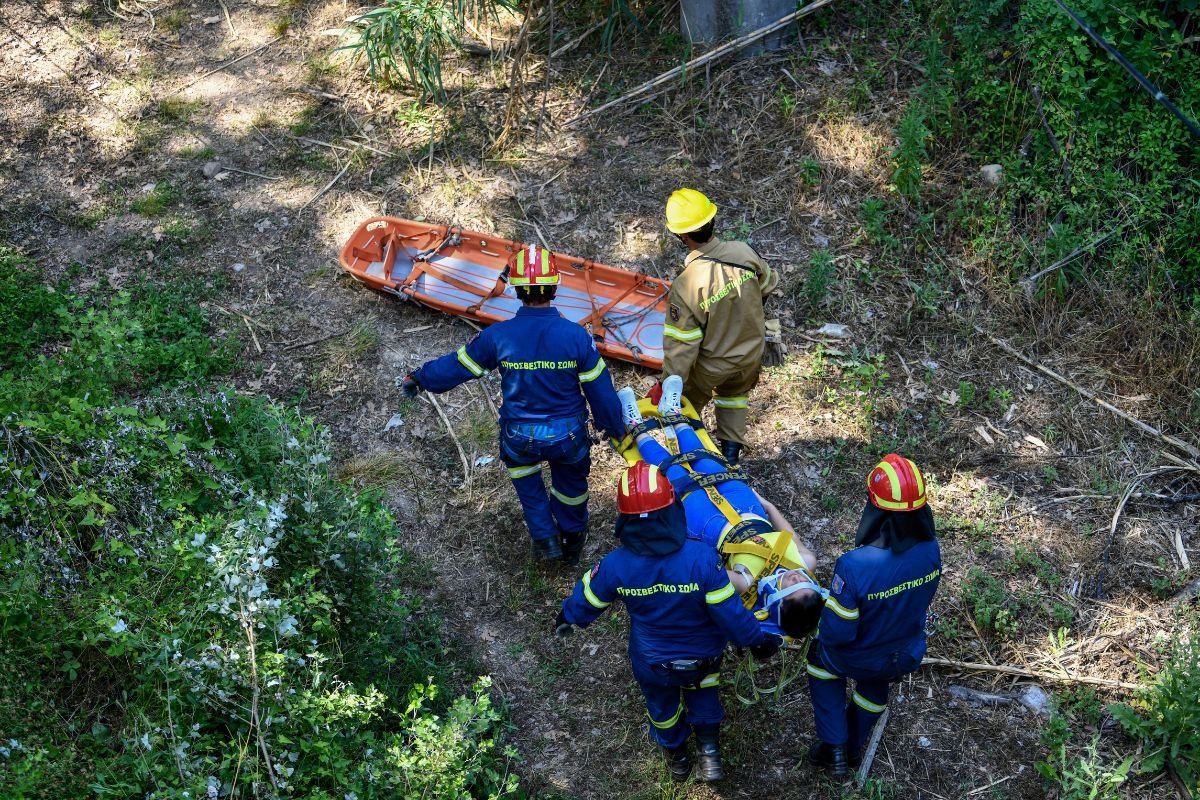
775	557
694	455
696	481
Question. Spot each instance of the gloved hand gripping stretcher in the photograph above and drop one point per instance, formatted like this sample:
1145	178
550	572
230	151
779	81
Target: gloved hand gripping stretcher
766	562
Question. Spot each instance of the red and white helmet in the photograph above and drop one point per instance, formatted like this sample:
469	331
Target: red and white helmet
896	484
532	266
642	489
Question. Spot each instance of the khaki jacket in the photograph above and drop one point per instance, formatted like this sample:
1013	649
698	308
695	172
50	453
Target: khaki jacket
715	309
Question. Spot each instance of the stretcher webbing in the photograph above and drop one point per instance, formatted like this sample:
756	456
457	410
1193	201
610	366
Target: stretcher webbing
775	557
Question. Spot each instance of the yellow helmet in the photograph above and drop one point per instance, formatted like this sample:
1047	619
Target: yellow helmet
688	210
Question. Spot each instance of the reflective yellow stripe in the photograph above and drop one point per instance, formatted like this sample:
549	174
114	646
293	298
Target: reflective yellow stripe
919	477
841	610
731	402
817	672
867	705
893	478
669	723
709	681
592	373
521	472
719	595
900	506
653	473
469	362
589	594
567	499
683	336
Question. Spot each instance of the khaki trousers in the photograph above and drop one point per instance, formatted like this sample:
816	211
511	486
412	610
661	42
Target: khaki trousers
729	391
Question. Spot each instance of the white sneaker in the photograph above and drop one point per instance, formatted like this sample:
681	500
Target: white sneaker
671	401
629	408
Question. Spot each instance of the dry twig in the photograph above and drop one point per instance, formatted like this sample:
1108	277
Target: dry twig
1191	450
1025	673
450	429
707	58
229	64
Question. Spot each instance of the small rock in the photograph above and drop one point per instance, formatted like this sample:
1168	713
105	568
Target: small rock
924	741
211	20
992	174
1036	700
211	169
148	188
821	241
238	267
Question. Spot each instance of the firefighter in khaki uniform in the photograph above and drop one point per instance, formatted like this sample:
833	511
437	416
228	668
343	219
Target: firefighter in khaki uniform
715	329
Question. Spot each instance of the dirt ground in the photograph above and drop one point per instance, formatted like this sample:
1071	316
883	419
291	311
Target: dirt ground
110	114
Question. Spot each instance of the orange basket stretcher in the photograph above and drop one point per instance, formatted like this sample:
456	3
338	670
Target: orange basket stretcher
460	272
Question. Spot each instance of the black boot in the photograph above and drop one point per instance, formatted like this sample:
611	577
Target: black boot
732	452
678	762
572	547
831	757
708	753
547	549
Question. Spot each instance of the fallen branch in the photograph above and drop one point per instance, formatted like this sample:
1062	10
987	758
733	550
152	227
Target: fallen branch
450	429
318	340
712	55
1037	99
229	64
1191	450
872	746
328	186
571	45
1024	673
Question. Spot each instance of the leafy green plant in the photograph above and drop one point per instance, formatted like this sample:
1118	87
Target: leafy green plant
810	171
155	203
911	152
1086	778
1166	718
818	278
407	40
992	605
966	394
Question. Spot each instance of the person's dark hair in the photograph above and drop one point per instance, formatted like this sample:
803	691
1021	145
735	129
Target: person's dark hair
800	613
535	294
703	233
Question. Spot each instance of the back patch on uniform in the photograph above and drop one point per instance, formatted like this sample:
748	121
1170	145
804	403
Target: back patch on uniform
836	586
673	310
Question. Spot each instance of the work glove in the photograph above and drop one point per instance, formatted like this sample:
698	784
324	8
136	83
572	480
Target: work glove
562	628
768	647
774	350
409	387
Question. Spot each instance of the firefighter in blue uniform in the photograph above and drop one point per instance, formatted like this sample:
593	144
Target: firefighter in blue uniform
682	610
873	625
786	599
544	361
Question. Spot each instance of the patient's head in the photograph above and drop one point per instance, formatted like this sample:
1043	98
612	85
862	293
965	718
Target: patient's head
800	612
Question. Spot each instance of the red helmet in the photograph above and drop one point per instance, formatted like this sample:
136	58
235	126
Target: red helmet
643	488
896	484
533	266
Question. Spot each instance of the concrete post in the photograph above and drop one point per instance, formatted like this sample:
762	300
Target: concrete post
712	21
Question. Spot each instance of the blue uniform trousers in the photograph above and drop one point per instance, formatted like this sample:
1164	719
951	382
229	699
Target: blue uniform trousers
839	721
678	699
565	446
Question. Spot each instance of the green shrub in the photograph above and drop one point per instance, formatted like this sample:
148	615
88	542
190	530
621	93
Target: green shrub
992	605
30	311
190	606
818	279
1167	717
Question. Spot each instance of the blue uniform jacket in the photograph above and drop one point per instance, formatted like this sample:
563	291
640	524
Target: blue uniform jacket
874	619
681	605
543	359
